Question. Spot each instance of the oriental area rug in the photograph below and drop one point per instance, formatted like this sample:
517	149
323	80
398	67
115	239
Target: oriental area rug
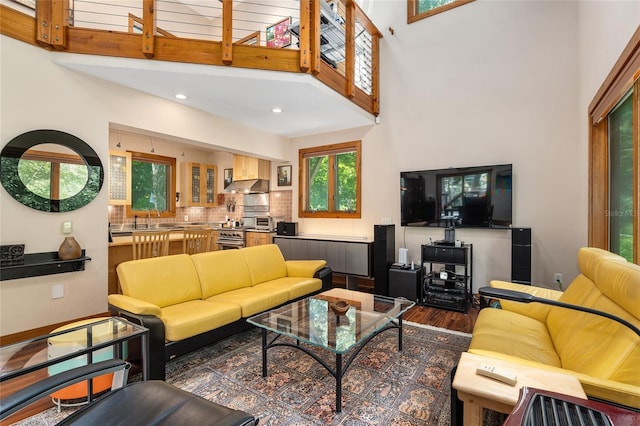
381	387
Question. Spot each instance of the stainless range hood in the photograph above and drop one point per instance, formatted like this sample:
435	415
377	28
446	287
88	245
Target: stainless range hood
248	186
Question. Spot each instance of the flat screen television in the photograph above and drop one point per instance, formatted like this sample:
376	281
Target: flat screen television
463	197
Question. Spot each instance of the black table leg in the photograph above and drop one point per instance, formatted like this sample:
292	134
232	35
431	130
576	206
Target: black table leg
400	333
264	352
338	375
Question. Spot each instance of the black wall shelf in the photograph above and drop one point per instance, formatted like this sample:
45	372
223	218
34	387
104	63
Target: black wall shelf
38	264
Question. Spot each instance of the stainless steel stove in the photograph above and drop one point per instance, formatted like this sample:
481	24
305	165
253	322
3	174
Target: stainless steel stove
230	238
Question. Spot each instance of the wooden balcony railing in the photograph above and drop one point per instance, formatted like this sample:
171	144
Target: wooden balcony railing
332	40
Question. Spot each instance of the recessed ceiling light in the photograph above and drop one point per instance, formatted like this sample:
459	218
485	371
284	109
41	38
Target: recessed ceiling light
181	96
276	110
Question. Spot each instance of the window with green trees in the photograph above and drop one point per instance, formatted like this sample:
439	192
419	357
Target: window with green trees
621	211
152	185
420	9
330	181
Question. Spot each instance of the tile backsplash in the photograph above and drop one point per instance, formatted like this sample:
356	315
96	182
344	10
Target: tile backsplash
280	202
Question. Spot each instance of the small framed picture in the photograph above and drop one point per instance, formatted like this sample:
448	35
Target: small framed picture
278	34
284	175
228	177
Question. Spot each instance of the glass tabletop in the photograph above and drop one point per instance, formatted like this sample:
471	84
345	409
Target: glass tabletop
314	321
63	344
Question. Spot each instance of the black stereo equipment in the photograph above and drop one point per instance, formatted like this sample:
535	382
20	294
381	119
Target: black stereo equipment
384	247
287	228
521	255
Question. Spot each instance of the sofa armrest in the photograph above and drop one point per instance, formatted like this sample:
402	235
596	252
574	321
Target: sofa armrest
135	306
536	311
304	268
155	325
326	276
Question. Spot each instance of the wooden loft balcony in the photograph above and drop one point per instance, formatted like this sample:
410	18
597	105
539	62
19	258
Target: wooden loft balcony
332	40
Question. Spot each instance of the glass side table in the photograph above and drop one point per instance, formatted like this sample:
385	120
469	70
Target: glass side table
88	337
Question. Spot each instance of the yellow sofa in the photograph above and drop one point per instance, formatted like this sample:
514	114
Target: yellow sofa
602	354
188	301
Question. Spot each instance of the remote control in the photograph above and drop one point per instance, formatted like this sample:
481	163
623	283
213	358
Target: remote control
497	374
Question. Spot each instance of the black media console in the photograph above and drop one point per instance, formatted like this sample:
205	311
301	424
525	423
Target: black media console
447	280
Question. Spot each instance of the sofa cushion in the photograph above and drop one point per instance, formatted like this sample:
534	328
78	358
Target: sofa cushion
221	271
265	263
513	334
187	319
295	286
253	300
162	281
592	344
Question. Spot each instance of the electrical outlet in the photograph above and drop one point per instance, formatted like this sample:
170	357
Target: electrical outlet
57	291
557	277
186	218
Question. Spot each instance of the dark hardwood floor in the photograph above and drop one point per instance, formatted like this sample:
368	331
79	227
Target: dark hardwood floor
451	320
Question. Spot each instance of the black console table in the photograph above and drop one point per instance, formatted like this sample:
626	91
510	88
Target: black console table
447	281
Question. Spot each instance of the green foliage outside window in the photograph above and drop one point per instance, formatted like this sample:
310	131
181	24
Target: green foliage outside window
621	214
149	183
345	182
318	183
427	5
330	181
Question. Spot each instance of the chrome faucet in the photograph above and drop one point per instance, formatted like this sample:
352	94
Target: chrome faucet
149	217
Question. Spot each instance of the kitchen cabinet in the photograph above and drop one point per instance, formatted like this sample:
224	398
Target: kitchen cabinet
119	178
198	185
258	238
245	168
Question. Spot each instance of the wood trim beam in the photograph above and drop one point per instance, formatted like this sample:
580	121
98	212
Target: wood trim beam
315	37
305	35
619	80
227	32
350	49
148	27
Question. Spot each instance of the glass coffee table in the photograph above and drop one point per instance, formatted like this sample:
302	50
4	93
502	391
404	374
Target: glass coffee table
319	322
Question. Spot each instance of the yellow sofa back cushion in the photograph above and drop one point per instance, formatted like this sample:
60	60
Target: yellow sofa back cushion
592	344
266	263
221	271
162	281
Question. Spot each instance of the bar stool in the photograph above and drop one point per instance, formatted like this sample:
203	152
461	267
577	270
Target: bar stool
196	240
150	244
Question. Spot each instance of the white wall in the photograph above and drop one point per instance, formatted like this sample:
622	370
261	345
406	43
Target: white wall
36	94
488	83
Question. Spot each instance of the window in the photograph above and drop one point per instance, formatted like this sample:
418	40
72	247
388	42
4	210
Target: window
614	172
420	9
330	181
621	179
153	185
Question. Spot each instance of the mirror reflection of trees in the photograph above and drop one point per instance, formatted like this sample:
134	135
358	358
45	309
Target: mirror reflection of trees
53	175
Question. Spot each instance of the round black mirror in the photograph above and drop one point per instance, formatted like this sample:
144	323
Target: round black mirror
51	171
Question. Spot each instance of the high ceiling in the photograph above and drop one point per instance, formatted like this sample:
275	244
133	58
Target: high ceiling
242	95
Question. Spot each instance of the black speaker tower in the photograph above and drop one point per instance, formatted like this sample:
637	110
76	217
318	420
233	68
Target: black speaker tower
384	247
521	255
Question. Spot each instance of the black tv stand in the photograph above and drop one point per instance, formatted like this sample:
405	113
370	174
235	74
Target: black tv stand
444	285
